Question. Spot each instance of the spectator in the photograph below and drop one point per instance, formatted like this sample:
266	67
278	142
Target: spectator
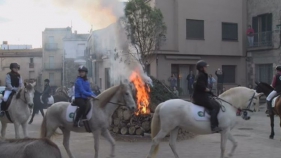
176	92
190	81
220	79
250	35
211	82
173	81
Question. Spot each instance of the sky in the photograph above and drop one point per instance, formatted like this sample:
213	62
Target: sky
23	21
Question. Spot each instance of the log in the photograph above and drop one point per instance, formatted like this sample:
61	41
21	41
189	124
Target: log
120	113
132	130
127	115
139	131
146	125
124	130
116	121
116	130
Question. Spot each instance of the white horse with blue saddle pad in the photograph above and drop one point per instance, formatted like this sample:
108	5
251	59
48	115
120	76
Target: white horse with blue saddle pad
194	118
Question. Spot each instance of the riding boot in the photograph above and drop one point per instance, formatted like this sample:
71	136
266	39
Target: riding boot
77	118
269	108
214	121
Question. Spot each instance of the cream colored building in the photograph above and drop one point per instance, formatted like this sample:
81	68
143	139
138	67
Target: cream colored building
198	29
30	61
53	52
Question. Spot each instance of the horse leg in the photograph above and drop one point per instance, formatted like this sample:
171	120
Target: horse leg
66	136
33	114
272	126
105	133
3	130
16	125
224	136
42	112
24	130
173	139
155	142
234	142
96	139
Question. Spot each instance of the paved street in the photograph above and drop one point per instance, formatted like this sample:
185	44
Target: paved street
252	142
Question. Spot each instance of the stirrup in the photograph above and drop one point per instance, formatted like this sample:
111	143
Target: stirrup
216	130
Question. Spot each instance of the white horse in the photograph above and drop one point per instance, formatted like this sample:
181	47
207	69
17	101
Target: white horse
19	110
169	116
99	121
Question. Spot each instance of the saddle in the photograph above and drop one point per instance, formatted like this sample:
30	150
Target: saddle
72	112
5	107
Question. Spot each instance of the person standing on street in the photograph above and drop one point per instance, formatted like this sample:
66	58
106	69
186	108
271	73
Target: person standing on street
173	81
190	81
220	79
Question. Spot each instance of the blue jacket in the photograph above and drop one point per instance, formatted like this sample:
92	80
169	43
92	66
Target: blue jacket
82	88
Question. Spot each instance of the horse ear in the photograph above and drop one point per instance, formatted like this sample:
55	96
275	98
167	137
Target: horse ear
259	94
33	84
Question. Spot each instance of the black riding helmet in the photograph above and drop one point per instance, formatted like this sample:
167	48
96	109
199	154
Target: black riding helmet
47	80
200	64
278	67
14	65
82	69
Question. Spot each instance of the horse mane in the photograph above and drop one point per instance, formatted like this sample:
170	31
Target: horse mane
18	94
106	96
266	85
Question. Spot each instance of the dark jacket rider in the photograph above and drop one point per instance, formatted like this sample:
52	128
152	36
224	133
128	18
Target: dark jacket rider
47	91
202	95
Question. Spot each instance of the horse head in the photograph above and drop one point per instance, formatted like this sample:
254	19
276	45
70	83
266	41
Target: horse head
27	94
126	92
263	87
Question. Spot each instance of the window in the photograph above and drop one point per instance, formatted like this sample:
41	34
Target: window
52	78
229	73
31	60
230	31
147	69
51	62
264	73
262	25
107	78
194	29
80	50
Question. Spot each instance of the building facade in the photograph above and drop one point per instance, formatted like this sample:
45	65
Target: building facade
74	56
53	53
30	61
197	29
265	53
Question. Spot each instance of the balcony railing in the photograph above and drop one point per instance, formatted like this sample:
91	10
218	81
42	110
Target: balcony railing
52	66
51	46
260	40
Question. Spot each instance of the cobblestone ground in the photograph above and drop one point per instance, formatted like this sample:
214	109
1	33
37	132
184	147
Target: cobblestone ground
252	142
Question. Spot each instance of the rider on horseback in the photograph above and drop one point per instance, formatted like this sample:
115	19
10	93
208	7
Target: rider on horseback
13	83
276	84
82	93
202	94
46	92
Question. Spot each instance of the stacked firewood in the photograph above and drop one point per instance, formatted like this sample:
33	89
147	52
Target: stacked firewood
127	123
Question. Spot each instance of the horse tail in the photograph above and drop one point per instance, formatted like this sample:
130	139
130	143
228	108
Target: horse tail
155	127
44	127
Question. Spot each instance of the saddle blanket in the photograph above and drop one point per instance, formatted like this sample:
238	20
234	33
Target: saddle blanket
199	113
50	100
71	112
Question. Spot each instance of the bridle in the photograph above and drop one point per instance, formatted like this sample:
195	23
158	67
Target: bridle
24	97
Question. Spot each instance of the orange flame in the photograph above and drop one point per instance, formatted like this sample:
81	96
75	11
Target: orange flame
142	94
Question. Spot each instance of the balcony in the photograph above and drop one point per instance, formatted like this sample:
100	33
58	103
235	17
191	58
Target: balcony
51	46
31	65
52	66
262	40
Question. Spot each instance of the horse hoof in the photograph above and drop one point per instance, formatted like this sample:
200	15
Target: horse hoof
30	122
270	137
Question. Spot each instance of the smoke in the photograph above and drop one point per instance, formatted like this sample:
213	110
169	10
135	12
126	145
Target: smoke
122	58
99	13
